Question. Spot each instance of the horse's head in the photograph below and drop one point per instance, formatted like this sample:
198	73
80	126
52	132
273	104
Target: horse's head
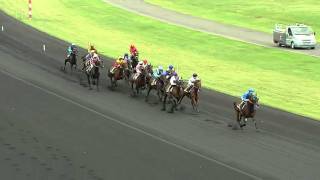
253	99
180	83
124	65
99	63
148	69
197	84
135	56
74	51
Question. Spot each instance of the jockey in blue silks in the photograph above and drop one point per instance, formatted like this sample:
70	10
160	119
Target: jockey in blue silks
70	49
245	97
157	72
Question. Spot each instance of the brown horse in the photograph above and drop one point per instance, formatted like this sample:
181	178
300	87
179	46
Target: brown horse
72	60
247	111
138	82
193	95
174	96
93	74
158	85
118	73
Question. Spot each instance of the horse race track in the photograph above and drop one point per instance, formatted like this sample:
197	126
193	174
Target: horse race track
53	128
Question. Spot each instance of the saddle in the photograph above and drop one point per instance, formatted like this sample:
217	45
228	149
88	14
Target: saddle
114	68
250	106
136	75
89	68
154	82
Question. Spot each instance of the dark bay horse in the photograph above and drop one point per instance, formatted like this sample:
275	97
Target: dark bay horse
193	95
119	72
248	111
174	96
72	60
137	82
134	60
93	74
158	85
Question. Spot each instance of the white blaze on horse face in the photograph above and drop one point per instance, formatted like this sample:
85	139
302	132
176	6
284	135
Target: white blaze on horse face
44	48
2	28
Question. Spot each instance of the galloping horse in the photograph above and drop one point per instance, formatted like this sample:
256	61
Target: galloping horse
248	111
93	74
72	60
117	73
134	60
193	94
137	82
158	85
174	96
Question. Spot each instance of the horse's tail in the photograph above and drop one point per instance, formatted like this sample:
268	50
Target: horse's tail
235	106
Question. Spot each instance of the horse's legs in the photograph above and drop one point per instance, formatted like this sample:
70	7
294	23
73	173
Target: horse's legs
147	96
239	120
255	123
164	102
159	94
181	98
137	89
196	102
193	103
132	89
173	105
111	82
98	77
65	64
89	83
71	66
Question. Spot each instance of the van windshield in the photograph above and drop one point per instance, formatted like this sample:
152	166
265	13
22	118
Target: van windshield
301	30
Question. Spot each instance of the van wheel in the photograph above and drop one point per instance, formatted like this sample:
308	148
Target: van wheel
292	45
312	47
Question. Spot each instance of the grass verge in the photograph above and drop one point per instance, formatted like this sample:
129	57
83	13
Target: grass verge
253	14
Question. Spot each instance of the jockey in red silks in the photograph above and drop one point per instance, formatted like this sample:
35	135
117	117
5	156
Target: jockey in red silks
133	50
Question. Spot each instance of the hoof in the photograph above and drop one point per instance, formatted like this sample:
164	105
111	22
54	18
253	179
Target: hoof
163	109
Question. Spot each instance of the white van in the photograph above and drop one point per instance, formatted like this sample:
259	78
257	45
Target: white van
294	36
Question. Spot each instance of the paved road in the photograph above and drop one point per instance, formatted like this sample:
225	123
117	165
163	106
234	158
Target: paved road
200	24
51	127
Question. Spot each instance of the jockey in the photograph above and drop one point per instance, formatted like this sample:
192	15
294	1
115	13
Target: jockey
70	49
133	50
92	62
245	97
191	82
170	71
157	72
173	81
117	64
92	48
145	63
90	55
139	68
95	58
126	57
87	58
